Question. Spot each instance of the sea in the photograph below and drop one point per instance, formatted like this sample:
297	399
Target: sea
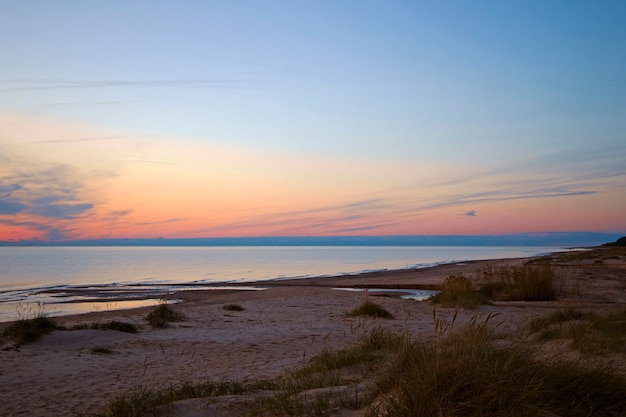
57	281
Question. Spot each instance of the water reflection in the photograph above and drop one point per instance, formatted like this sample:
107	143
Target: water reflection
405	294
68	300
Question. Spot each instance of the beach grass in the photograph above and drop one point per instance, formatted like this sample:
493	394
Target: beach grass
458	291
331	380
597	255
232	307
30	330
144	401
369	308
474	372
25	330
587	332
528	282
116	325
162	315
100	350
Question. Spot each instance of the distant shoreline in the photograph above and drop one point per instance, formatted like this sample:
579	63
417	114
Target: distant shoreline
566	239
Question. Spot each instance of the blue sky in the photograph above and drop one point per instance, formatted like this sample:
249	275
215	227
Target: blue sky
495	101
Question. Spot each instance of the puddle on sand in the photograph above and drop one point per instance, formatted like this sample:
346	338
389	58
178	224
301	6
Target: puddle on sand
407	294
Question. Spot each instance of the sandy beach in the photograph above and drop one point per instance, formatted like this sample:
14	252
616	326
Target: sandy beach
279	329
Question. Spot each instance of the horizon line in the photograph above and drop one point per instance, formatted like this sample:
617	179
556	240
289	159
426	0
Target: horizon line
511	239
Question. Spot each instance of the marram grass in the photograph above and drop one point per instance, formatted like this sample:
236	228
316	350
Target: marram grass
369	308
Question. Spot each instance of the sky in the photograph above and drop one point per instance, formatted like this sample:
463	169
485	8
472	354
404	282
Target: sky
149	119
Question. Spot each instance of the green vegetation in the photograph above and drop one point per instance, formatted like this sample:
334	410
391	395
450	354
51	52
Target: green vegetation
233	307
588	333
25	331
162	315
368	308
458	291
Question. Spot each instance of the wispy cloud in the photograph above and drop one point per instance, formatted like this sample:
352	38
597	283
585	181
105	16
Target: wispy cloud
151	223
578	164
85	139
23	85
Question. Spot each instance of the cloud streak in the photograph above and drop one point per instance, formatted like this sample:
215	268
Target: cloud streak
25	85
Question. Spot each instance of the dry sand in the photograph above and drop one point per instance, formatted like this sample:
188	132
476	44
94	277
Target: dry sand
280	328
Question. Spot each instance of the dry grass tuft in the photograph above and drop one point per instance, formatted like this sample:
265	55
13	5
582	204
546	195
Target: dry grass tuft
368	308
458	291
25	331
588	333
232	307
530	282
471	373
162	315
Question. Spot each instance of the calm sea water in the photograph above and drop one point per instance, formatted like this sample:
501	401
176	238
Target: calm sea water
67	280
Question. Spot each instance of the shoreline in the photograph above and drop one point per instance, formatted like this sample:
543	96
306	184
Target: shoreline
427	278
